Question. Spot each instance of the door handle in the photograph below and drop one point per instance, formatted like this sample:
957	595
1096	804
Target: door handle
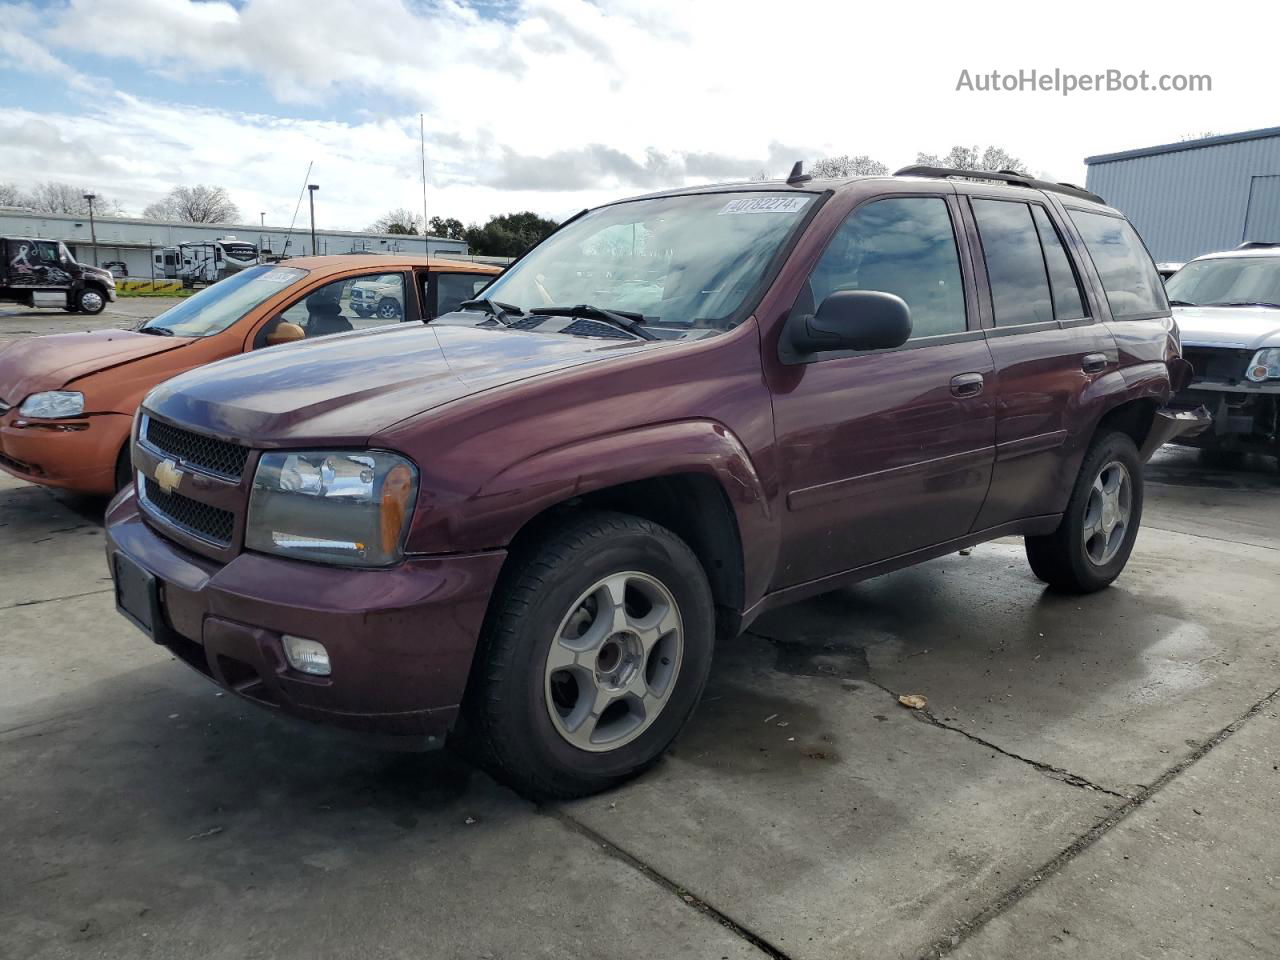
967	384
1093	362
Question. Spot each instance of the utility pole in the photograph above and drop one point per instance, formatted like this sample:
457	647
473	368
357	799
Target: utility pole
262	226
311	199
93	230
422	143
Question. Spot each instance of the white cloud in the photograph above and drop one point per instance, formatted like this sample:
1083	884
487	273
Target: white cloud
560	103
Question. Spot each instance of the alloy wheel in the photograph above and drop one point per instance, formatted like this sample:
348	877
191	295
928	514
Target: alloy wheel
1107	513
613	663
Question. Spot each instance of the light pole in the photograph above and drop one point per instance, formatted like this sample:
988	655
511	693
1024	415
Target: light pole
262	227
93	230
311	199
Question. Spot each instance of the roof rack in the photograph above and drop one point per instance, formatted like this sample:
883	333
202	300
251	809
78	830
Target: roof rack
1004	176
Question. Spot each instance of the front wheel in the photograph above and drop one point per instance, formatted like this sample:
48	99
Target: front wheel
90	300
388	309
596	650
1093	542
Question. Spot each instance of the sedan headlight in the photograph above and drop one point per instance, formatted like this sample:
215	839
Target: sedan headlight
1265	365
53	405
335	507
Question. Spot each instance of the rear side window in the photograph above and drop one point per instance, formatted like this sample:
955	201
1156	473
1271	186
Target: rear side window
1067	303
900	245
1015	265
1128	276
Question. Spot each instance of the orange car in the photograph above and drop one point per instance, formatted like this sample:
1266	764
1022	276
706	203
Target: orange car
67	400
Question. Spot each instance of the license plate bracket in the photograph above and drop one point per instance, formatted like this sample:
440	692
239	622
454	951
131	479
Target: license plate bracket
137	595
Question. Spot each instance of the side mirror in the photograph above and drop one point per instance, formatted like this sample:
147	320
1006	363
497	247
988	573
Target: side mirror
854	320
285	332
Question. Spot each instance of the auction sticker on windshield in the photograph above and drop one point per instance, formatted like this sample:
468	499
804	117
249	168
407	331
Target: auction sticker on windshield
284	275
765	205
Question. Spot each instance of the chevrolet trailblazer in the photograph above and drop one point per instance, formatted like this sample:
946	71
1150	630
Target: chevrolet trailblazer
530	518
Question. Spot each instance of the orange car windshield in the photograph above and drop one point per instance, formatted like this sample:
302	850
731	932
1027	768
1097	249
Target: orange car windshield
215	308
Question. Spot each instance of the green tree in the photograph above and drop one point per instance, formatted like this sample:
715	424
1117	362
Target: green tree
508	235
447	227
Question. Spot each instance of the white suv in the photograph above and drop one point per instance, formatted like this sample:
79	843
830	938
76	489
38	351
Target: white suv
1228	309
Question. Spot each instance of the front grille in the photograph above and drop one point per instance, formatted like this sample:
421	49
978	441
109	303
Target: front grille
1219	364
200	519
208	453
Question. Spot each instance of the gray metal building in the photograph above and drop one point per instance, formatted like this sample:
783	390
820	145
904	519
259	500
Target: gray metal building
132	241
1196	196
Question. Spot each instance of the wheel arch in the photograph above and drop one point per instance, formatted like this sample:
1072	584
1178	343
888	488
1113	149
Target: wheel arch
692	477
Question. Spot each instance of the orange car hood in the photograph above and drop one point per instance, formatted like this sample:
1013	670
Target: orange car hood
53	362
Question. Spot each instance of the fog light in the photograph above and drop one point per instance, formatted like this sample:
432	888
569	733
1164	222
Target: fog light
306	656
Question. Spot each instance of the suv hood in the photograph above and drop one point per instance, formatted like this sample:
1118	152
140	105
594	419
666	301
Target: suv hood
1246	328
54	362
341	390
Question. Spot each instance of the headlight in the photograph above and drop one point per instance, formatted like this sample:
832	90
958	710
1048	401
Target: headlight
332	506
53	405
1265	365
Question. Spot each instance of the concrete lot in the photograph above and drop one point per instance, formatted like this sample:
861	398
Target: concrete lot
1095	777
18	322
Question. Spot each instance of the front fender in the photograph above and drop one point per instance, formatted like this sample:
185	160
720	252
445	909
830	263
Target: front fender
523	490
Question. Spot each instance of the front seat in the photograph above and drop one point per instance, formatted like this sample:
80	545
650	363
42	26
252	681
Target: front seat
324	313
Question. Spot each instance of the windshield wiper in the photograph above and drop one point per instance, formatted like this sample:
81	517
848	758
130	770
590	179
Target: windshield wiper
622	319
499	311
1244	303
1182	303
156	331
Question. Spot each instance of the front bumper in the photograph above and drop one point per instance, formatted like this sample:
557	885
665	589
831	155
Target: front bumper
1243	416
400	640
77	454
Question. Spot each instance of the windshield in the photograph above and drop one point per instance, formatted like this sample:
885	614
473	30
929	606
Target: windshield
1228	280
685	261
215	308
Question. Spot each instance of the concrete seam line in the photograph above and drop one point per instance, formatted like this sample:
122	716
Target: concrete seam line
666	883
967	928
34	603
1205	536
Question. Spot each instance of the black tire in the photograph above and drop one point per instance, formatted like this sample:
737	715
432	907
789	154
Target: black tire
124	469
71	308
388	309
91	300
507	709
1060	558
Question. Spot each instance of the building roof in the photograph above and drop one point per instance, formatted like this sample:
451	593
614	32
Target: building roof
250	228
1185	145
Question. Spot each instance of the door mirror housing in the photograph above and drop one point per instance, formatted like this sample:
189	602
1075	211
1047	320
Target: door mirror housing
854	320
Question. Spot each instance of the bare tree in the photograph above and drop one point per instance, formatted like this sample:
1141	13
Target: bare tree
401	220
1197	136
10	195
974	158
199	204
847	166
55	196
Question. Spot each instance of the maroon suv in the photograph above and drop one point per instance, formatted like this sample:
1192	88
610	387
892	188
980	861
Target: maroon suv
679	411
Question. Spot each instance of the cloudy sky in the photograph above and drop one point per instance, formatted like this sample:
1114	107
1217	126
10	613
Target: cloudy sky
552	105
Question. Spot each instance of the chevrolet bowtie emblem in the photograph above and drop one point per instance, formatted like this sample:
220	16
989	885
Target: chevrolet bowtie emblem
168	475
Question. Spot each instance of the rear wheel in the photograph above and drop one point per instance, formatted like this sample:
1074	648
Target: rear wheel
596	649
1093	542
